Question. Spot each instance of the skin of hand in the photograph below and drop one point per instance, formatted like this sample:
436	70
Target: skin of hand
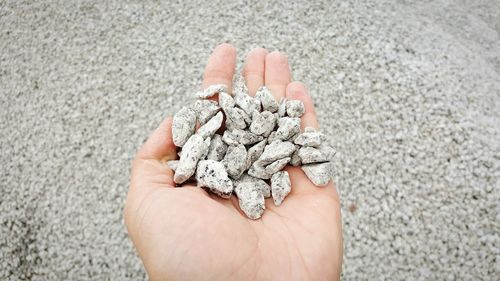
188	234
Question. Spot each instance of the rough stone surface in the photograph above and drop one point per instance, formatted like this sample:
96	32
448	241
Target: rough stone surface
209	129
277	165
275	151
194	150
212	175
235	161
251	199
261	184
280	186
229	138
235	118
288	127
318	173
308	139
254	152
282	108
183	125
295	108
263	123
266	99
217	149
312	155
205	110
211	90
246	137
406	91
258	170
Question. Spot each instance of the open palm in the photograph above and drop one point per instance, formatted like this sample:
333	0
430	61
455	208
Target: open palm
188	234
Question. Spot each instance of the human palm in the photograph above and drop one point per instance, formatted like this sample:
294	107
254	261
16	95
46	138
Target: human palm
188	234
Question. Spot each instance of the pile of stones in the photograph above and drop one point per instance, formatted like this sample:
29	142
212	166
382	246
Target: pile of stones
243	143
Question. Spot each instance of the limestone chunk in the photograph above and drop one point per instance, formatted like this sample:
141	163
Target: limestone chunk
263	123
209	129
235	117
259	171
277	165
217	148
275	151
205	110
310	155
295	158
211	90
280	186
226	101
261	184
295	108
213	176
245	137
229	138
194	149
288	127
266	98
254	152
235	161
243	99
282	108
309	139
183	125
251	200
318	173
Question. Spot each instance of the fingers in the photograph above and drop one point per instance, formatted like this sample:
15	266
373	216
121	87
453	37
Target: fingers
297	91
254	68
220	66
277	74
159	145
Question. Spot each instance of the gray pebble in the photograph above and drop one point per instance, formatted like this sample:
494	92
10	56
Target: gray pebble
282	107
309	139
275	151
235	118
328	151
217	148
212	175
246	137
295	108
295	158
277	165
288	127
183	125
280	186
243	99
251	200
310	155
172	164
254	152
212	90
194	149
261	184
205	110
263	123
226	101
272	137
229	138
235	161
209	129
259	171
266	98
318	173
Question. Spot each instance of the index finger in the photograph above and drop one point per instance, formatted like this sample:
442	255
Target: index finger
220	66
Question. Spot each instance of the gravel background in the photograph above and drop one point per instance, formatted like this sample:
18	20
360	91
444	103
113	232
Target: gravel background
408	93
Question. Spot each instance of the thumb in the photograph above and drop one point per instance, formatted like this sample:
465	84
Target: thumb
159	145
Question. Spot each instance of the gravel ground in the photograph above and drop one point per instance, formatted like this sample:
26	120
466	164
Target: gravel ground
408	93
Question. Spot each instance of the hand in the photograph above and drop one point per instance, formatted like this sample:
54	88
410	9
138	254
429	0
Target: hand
187	234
